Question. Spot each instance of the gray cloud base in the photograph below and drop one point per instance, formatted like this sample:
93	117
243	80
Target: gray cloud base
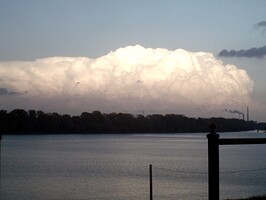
249	53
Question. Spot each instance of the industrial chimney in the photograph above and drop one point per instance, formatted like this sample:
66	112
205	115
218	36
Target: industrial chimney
247	114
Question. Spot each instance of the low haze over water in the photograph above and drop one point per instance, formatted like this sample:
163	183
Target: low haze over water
102	167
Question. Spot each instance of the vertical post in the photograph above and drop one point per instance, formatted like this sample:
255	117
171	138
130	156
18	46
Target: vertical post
213	163
0	165
151	183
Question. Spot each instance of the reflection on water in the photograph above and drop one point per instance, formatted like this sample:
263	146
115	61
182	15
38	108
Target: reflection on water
117	167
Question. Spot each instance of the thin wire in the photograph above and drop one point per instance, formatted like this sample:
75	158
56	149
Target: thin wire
196	172
180	171
241	171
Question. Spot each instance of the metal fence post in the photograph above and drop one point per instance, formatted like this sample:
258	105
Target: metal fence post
213	163
151	195
0	166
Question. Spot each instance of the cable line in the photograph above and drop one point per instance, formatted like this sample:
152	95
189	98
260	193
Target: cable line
180	171
197	172
241	171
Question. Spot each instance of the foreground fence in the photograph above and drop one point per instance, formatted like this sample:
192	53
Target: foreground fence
213	157
156	171
213	162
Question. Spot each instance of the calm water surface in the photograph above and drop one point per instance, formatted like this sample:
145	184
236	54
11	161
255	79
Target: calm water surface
102	167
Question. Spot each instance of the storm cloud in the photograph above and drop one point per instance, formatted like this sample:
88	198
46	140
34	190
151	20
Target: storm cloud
249	53
131	78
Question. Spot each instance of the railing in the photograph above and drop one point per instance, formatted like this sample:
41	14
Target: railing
213	157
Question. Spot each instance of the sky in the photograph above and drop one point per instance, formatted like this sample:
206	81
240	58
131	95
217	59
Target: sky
198	58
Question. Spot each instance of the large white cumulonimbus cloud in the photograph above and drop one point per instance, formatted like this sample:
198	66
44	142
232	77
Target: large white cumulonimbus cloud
130	78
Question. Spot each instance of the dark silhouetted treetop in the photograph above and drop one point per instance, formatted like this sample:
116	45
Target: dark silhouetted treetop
19	121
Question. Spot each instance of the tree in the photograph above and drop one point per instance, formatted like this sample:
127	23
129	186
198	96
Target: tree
20	121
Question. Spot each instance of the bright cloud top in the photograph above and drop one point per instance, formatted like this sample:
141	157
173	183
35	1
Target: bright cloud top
130	78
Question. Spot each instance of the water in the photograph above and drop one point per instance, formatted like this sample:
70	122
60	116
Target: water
101	167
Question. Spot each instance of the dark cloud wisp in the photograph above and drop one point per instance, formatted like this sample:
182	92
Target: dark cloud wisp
4	91
260	24
249	53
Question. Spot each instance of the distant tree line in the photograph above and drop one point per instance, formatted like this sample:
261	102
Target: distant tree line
20	121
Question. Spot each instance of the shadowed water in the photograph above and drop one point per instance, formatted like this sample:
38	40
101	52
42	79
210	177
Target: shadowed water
105	167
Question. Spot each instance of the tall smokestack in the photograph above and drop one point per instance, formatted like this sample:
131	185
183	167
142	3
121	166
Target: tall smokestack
247	114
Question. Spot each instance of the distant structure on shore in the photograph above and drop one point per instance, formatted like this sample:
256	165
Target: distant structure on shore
239	113
247	114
